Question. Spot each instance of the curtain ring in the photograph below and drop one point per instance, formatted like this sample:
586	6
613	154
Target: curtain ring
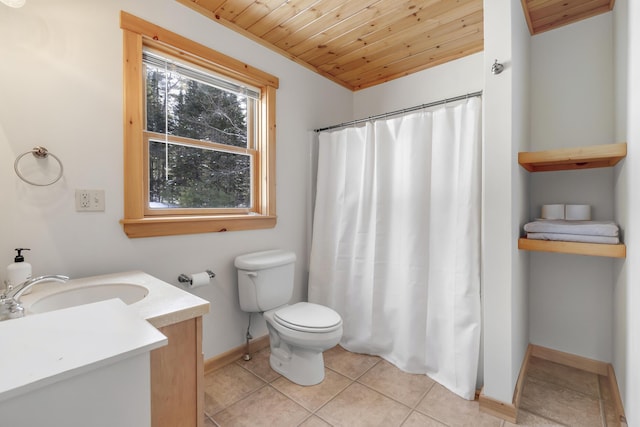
39	153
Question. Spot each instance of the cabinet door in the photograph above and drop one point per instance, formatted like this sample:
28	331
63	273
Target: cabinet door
177	397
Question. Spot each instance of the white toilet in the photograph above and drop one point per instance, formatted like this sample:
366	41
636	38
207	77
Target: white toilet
298	333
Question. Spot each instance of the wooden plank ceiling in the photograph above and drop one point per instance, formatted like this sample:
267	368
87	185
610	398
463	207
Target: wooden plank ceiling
545	15
356	43
362	43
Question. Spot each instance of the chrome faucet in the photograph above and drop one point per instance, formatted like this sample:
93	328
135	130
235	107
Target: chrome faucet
10	305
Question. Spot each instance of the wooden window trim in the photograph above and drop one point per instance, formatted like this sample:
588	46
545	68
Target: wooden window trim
138	33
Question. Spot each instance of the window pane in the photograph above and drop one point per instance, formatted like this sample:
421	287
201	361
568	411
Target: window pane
156	100
210	114
183	176
189	108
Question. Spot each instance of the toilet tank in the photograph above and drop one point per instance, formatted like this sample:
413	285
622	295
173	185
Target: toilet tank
265	279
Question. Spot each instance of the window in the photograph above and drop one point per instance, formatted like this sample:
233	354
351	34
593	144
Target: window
199	137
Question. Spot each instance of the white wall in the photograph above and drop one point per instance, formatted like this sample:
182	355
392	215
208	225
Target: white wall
632	388
448	80
572	101
520	137
61	87
626	357
506	125
621	179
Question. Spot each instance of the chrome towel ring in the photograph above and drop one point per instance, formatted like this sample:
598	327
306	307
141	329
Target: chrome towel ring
39	153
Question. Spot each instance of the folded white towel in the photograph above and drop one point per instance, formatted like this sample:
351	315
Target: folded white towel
586	228
573	238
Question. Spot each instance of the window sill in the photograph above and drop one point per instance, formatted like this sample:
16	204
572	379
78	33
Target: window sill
171	226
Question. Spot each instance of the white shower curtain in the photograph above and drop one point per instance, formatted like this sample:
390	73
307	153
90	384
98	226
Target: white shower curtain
396	240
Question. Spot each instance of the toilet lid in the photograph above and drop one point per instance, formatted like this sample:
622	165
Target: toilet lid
308	317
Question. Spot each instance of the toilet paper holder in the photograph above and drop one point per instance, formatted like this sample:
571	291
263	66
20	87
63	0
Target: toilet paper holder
184	278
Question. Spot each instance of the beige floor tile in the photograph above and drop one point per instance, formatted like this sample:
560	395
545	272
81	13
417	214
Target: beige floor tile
227	385
313	397
527	419
351	365
314	421
560	404
451	409
416	419
563	376
392	382
265	407
358	405
259	365
362	390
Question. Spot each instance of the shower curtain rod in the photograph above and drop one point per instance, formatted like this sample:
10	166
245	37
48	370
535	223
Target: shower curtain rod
403	111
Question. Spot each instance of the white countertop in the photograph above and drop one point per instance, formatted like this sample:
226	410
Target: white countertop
164	305
41	349
46	348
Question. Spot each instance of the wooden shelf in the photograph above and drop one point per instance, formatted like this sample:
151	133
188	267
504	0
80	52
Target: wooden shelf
593	249
595	156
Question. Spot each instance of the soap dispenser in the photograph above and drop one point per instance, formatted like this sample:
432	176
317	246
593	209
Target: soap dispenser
19	271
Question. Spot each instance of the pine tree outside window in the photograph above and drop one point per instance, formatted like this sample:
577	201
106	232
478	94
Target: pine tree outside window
199	137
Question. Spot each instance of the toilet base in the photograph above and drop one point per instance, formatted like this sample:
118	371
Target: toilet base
300	366
297	355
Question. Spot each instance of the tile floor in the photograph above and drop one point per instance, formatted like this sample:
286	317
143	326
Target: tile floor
362	390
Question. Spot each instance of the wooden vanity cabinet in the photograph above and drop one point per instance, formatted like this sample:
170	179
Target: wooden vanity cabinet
177	377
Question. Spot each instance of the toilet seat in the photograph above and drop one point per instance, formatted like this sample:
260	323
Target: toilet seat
308	317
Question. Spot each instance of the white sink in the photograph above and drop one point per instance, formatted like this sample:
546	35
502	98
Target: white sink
158	302
129	293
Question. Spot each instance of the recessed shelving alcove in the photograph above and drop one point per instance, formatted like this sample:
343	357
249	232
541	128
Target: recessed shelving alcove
596	156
